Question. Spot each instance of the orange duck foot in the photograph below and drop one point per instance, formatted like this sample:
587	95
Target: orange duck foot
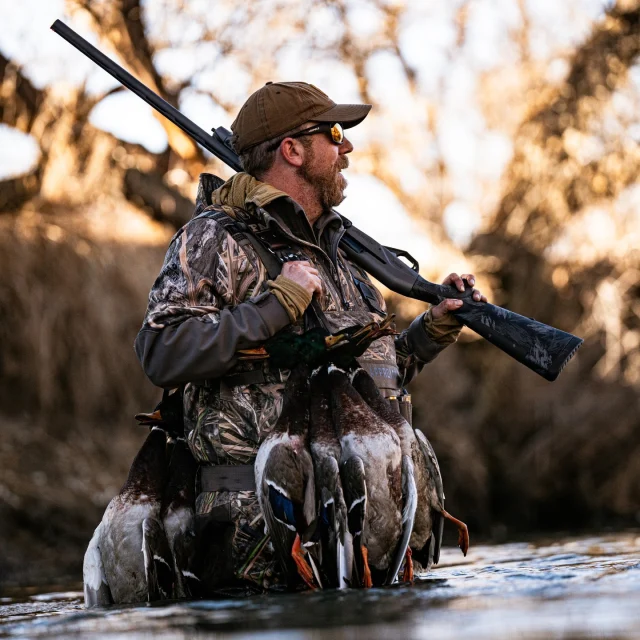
305	571
367	582
463	532
407	576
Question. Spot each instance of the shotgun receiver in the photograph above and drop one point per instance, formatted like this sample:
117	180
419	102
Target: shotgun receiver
540	347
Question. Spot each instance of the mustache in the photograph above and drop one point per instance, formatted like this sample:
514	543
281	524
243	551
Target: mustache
343	162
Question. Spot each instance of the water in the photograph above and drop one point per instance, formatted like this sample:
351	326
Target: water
573	589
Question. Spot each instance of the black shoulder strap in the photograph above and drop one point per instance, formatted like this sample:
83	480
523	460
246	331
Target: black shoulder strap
243	236
240	232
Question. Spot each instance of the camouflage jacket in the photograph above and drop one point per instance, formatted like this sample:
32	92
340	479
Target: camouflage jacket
211	299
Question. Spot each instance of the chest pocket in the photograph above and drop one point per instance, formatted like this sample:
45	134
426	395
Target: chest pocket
366	291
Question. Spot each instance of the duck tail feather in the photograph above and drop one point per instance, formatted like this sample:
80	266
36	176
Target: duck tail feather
96	588
438	531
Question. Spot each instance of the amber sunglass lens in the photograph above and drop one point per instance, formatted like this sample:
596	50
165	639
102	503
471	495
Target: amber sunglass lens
337	134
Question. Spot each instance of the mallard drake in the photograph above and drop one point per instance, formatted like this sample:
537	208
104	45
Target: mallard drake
369	444
299	353
178	519
413	475
426	537
332	533
285	482
129	559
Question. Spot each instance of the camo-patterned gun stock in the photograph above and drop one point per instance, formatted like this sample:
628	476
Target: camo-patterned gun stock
544	349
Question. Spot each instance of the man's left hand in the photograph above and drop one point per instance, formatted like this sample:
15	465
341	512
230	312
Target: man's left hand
451	304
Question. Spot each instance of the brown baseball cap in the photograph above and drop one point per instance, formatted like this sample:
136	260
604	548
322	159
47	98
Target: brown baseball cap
279	107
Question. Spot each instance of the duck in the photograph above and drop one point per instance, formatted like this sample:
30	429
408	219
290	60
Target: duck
429	553
178	519
370	451
427	530
285	483
414	479
300	353
332	533
128	559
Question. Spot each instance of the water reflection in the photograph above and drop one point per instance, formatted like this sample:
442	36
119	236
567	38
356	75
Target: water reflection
578	588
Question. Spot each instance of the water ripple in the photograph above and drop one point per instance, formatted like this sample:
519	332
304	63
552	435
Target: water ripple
573	588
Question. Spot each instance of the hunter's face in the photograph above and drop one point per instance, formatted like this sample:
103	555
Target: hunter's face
322	168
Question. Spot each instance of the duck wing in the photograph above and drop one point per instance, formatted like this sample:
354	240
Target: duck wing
96	588
355	496
332	531
410	502
332	534
158	565
178	518
187	584
286	491
437	491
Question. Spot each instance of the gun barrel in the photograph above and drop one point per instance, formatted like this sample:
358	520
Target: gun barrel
150	97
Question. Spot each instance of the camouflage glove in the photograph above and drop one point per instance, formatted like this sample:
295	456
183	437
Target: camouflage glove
444	330
293	297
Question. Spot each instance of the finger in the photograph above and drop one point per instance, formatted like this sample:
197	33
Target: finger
450	279
478	296
312	271
455	280
450	304
459	283
470	278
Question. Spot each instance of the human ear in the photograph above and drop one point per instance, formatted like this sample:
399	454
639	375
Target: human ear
292	151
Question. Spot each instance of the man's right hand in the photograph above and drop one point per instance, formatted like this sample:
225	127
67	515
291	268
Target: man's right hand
302	272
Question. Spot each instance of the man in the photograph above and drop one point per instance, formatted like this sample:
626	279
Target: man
215	297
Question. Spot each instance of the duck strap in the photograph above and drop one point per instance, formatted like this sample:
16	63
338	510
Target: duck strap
269	248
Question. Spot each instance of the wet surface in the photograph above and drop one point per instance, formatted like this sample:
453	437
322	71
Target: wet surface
574	588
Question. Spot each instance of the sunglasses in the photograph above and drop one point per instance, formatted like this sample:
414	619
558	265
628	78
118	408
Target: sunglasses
335	131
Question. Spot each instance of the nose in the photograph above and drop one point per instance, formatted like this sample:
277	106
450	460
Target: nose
345	147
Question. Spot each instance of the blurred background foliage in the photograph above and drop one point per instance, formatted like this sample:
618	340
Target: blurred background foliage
503	141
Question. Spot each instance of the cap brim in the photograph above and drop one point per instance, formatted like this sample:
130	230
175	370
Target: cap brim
348	115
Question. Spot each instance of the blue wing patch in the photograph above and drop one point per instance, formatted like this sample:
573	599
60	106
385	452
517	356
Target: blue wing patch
281	506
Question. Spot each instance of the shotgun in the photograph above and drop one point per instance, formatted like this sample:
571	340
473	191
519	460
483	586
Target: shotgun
544	349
